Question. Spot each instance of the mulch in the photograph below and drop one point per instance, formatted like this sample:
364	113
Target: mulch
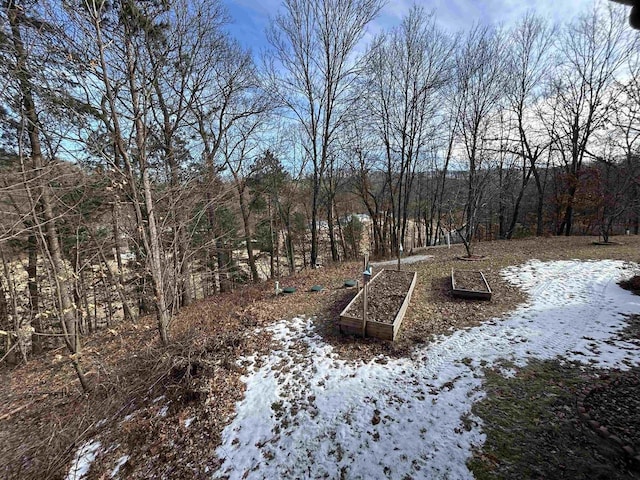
385	296
469	280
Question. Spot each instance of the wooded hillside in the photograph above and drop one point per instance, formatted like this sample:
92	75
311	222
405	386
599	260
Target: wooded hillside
148	160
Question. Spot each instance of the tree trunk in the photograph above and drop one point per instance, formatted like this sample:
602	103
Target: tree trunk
85	299
34	297
146	222
116	280
221	261
332	212
314	221
274	242
182	267
6	324
118	277
142	276
540	202
567	222
162	312
67	307
343	243
8	319
332	237
77	296
516	207
247	236
185	268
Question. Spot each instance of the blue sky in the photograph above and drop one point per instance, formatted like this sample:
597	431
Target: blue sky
251	17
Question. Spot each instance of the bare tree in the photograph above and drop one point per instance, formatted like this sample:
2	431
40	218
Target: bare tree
310	69
529	61
481	75
406	70
626	123
240	147
359	141
118	36
592	49
40	194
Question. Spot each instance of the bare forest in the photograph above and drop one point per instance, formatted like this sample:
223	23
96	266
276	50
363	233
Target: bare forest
148	160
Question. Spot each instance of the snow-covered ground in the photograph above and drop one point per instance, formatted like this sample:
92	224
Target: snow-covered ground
308	414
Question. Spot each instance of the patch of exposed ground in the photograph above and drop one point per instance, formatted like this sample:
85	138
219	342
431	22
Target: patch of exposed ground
632	284
616	406
534	431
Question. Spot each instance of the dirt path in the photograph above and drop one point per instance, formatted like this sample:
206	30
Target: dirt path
403	261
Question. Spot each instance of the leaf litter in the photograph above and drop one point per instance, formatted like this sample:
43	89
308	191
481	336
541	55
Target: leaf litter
200	373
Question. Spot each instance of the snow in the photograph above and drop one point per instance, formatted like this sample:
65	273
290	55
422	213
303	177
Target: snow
83	459
121	461
306	413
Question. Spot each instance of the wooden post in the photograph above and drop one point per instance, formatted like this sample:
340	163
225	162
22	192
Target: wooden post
364	310
364	295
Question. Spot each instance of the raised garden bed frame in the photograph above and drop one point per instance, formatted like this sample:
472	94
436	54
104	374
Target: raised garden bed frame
383	331
484	294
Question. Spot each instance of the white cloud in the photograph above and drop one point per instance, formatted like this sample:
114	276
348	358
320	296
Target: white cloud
251	18
508	11
456	15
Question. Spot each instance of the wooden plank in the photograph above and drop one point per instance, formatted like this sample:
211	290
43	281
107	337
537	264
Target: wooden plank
405	305
385	331
353	300
486	284
470	294
351	322
364	296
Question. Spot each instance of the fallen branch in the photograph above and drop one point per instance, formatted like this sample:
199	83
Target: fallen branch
7	354
19	409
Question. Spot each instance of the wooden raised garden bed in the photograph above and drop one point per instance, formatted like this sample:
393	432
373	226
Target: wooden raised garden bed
470	284
389	294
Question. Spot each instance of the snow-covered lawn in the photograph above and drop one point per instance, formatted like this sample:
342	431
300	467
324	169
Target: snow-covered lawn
308	414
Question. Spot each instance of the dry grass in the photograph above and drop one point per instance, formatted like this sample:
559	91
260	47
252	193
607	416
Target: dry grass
198	373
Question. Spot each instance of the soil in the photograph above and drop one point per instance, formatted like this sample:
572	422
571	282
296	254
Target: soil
632	284
45	416
385	295
469	280
616	406
472	258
